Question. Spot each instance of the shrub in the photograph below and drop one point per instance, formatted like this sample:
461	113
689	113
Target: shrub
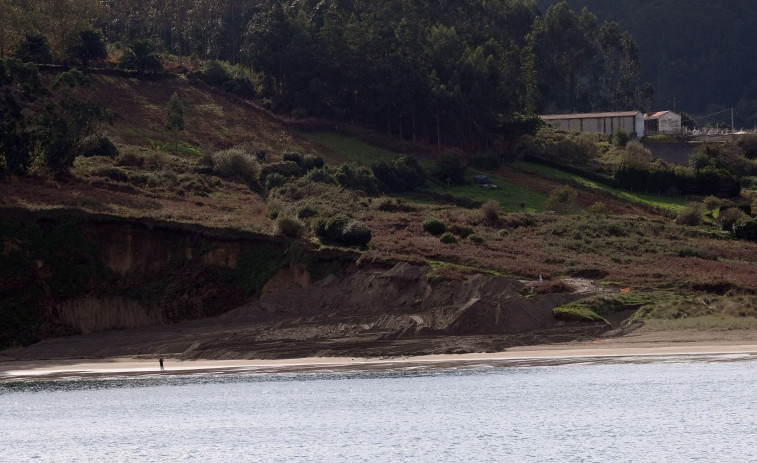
748	144
449	169
311	161
729	217
745	229
404	173
305	212
294	157
355	177
691	214
285	168
98	145
711	203
321	176
562	199
343	230
111	172
598	208
462	232
490	213
274	180
636	153
434	226
476	238
226	78
486	161
620	137
236	164
356	233
289	227
130	158
448	238
394	205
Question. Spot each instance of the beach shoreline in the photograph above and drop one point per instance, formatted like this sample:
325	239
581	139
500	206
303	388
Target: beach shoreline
632	348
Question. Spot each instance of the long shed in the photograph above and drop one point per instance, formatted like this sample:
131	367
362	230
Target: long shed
630	121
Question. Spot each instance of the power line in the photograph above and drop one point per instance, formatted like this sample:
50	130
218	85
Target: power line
698	118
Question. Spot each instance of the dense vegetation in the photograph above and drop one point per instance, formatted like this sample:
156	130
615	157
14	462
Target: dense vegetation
700	57
458	75
454	73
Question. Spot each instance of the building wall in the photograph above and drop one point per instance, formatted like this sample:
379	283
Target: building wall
605	125
670	123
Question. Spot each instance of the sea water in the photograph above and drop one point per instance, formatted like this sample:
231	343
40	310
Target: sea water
639	410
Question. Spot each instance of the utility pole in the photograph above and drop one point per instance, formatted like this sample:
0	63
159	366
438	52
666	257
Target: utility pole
733	128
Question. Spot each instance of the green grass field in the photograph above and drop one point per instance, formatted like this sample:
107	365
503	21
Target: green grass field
352	148
510	196
670	203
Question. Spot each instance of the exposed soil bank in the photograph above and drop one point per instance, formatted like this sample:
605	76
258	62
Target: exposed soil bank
365	312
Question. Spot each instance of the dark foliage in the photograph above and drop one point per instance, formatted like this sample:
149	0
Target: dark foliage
343	230
450	169
34	49
403	173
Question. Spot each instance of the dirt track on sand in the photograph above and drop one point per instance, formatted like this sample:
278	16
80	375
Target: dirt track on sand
370	312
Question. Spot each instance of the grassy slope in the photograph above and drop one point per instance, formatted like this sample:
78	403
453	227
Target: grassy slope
628	245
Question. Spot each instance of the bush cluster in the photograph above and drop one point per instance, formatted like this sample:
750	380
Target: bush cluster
286	169
98	145
562	199
691	214
708	181
490	213
450	169
289	227
434	226
745	229
404	173
728	217
237	164
448	238
356	177
306	163
343	230
226	78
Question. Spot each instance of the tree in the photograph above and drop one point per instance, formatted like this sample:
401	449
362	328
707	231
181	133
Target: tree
34	49
141	57
66	119
88	47
175	118
20	84
12	24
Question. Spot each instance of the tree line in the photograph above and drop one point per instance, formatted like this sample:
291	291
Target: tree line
448	72
701	57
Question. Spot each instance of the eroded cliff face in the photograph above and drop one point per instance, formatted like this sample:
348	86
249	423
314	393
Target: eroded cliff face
134	287
66	272
362	310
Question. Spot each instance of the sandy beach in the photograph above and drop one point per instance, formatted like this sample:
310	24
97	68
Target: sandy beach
645	347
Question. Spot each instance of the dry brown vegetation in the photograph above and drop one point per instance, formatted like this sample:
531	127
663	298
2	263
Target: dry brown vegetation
625	244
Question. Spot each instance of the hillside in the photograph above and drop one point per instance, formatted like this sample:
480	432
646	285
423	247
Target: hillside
539	256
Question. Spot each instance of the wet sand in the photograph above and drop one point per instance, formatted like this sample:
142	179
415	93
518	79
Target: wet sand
652	347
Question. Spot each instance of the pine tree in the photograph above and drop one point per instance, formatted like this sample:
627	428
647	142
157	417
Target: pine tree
175	118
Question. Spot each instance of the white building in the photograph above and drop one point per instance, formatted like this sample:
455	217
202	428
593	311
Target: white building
630	121
666	122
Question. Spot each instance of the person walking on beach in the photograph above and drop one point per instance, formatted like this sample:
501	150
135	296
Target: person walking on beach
161	364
